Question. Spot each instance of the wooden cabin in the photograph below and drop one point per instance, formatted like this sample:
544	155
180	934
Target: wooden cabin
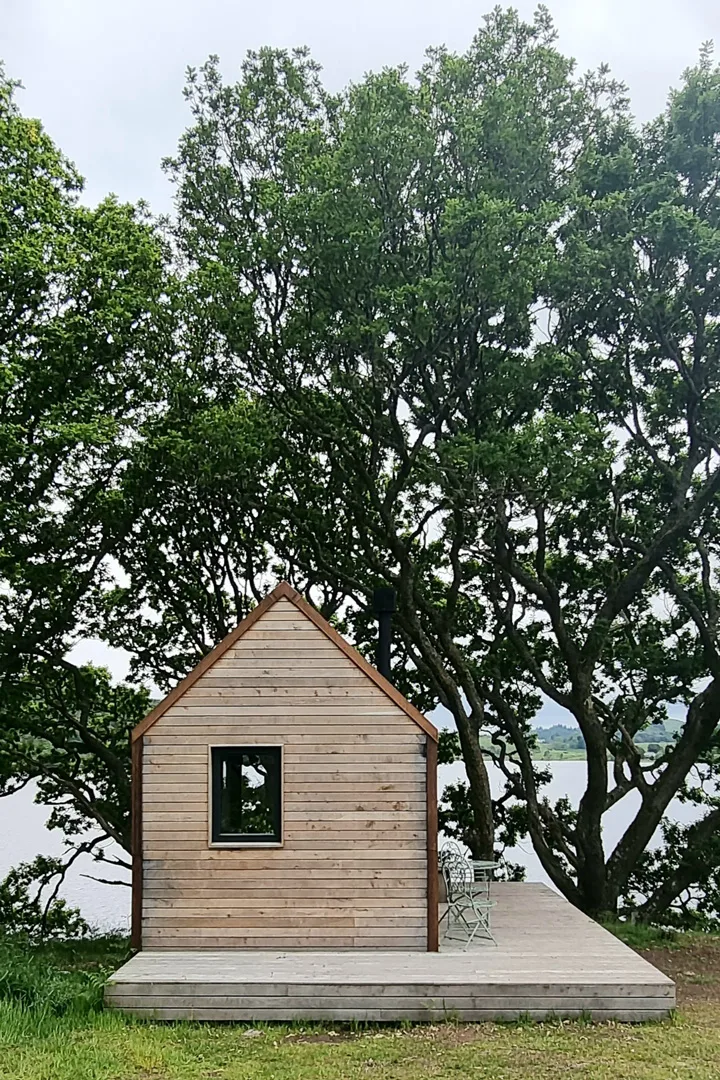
284	817
285	797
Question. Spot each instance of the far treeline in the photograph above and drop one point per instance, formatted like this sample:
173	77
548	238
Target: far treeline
560	742
454	332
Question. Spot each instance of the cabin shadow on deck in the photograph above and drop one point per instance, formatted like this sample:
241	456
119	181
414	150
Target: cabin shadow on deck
550	960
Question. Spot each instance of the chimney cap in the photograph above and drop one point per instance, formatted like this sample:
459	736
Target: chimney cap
384	600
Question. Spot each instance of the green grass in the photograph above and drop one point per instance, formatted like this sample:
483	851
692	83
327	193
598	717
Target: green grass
52	1027
638	936
104	1046
59	977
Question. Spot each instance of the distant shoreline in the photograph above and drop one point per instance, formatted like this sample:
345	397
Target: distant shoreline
551	753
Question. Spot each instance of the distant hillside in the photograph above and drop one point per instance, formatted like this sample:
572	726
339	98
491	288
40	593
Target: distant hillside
561	742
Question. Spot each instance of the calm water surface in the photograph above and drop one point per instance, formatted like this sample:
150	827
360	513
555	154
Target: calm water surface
23	835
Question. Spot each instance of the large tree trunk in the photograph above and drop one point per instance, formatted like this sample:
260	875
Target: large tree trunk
592	880
481	839
455	692
700	725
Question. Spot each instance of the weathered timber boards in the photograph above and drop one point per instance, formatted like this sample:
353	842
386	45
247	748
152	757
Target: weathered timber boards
219	688
270	670
137	844
161	849
341	909
316	742
188	811
316	733
323	760
396	864
217	900
351	871
306	682
289	935
424	1015
326	788
156	848
482	993
550	960
162	807
217	715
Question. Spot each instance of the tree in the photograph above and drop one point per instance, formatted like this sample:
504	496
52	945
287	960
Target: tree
67	729
368	264
205	494
647	341
85	321
455	334
26	913
483	306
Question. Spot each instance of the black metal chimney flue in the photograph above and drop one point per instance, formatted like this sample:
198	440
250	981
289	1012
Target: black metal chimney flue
384	605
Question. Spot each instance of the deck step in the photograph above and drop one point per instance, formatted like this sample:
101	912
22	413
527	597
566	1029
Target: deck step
550	961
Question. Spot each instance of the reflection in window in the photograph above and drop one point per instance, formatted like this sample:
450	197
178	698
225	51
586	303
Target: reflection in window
246	794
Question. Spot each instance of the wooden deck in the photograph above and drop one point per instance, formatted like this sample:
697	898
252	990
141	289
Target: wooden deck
550	960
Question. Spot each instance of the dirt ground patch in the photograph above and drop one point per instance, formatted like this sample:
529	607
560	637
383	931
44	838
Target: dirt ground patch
694	968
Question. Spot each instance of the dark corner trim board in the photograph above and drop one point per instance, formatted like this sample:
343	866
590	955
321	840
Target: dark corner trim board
137	845
432	846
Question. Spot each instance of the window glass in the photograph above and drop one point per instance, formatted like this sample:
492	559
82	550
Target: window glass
246	804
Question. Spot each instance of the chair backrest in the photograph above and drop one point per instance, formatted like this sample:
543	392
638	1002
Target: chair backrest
451	846
456	871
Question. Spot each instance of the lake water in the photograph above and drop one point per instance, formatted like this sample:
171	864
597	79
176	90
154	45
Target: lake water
23	835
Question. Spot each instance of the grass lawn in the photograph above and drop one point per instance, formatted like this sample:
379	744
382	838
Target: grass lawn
52	1028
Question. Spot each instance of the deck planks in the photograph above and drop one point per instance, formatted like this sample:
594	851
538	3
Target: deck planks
550	960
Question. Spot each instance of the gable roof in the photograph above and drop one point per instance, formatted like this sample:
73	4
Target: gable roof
286	592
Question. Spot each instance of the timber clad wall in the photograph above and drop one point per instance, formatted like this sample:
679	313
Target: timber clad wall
353	867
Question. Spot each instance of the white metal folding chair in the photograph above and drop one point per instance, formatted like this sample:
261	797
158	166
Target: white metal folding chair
468	908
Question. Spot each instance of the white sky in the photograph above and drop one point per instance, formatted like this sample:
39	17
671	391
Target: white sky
106	76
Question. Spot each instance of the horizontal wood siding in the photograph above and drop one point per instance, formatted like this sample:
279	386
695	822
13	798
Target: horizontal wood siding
352	869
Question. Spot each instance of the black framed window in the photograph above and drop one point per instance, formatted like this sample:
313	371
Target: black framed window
246	794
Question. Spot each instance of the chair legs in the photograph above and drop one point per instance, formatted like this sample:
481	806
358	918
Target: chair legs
479	921
468	894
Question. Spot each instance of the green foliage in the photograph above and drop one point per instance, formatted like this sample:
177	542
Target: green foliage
63	978
481	308
201	493
448	747
368	265
68	729
82	324
24	914
85	327
455	333
682	878
640	936
561	737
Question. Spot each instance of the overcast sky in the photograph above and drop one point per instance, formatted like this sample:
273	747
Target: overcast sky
106	76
